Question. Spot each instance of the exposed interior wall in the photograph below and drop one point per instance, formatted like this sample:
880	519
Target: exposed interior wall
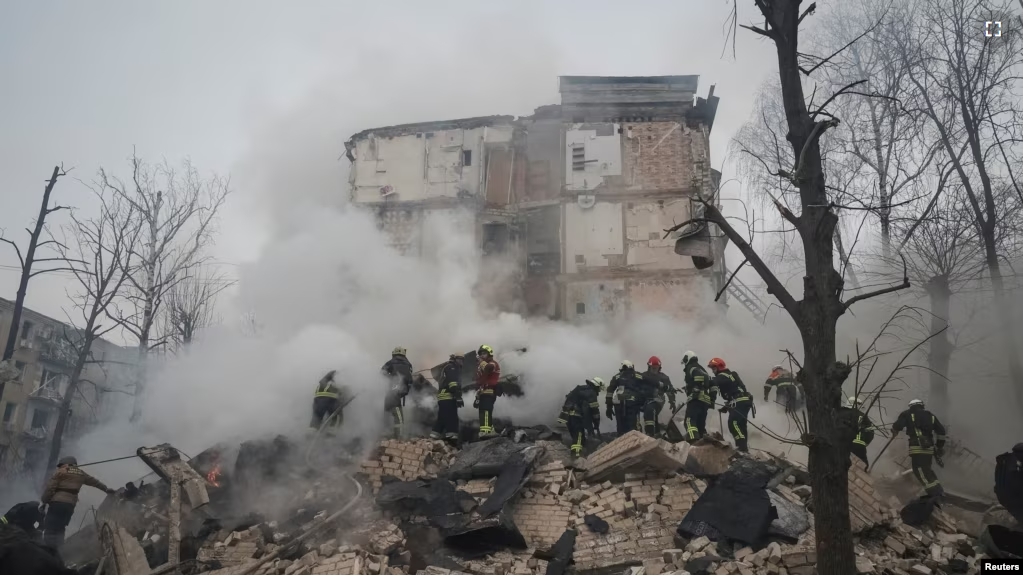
593	237
646	221
657	156
596	300
593	154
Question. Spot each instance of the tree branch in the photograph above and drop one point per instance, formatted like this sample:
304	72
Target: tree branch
905	284
731	276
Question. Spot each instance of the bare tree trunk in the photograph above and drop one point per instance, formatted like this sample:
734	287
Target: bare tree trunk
941	348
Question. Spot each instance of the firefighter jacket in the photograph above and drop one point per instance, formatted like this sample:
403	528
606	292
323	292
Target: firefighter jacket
450	385
699	386
865	428
779	378
630	382
399	373
65	483
488	372
327	389
662	385
731	386
925	431
582	401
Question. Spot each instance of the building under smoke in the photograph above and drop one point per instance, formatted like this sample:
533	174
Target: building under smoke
577	197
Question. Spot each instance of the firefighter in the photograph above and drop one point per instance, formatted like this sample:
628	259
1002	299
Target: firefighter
487	374
865	428
626	384
61	496
662	385
785	388
927	439
581	413
326	403
449	400
738	402
700	396
25	516
399	373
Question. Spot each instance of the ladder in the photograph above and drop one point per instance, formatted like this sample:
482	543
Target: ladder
747	298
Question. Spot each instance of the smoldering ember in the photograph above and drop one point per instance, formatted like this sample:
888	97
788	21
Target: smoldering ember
511	288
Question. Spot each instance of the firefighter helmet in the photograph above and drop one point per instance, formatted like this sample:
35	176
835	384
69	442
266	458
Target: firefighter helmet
853	402
485	349
716	364
689	356
654	361
916	402
67	461
398	351
456	357
778	367
596	382
626	365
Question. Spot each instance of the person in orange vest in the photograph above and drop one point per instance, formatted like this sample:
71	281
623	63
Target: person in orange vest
487	374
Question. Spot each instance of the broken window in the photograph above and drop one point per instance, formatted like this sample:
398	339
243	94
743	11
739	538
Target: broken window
579	158
40	418
495	238
9	411
581	308
26	329
20	367
467	157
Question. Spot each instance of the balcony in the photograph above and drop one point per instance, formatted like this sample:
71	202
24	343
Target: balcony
47	394
39	433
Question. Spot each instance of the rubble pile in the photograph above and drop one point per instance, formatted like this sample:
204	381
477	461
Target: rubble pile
635	505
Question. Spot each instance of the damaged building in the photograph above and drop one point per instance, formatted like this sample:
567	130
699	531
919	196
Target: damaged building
577	196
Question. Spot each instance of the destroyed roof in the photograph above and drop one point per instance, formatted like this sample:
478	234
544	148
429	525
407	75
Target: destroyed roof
419	127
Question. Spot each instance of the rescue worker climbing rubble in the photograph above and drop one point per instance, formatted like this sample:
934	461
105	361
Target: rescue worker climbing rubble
61	496
581	413
488	372
326	403
630	399
658	383
449	400
865	428
398	371
785	388
738	401
700	396
927	439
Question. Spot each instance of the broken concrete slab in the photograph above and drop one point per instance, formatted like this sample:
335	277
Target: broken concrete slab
166	461
634	452
484	459
128	556
792	521
708	457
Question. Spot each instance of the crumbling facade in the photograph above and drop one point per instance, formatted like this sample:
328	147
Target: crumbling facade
578	195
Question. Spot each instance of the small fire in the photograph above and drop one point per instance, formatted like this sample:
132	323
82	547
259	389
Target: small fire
213	475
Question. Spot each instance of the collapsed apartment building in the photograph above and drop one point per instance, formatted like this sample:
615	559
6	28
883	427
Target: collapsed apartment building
578	196
514	504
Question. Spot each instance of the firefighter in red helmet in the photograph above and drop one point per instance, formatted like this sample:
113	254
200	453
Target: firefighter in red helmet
738	402
657	386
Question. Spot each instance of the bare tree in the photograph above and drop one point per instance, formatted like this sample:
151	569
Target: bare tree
100	255
816	315
189	305
178	208
966	83
28	261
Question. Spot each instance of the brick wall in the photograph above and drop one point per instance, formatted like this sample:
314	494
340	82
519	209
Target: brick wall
541	518
406	460
657	157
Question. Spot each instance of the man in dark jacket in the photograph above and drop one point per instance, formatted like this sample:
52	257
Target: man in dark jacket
326	401
61	496
399	373
631	398
785	388
449	400
1008	481
927	439
738	401
657	387
581	412
701	394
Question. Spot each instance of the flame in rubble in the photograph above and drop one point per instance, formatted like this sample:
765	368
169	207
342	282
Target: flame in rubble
213	475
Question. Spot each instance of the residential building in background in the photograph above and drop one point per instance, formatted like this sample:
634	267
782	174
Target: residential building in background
578	196
44	360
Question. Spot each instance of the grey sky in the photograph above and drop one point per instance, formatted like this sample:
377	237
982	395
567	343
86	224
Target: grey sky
269	91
